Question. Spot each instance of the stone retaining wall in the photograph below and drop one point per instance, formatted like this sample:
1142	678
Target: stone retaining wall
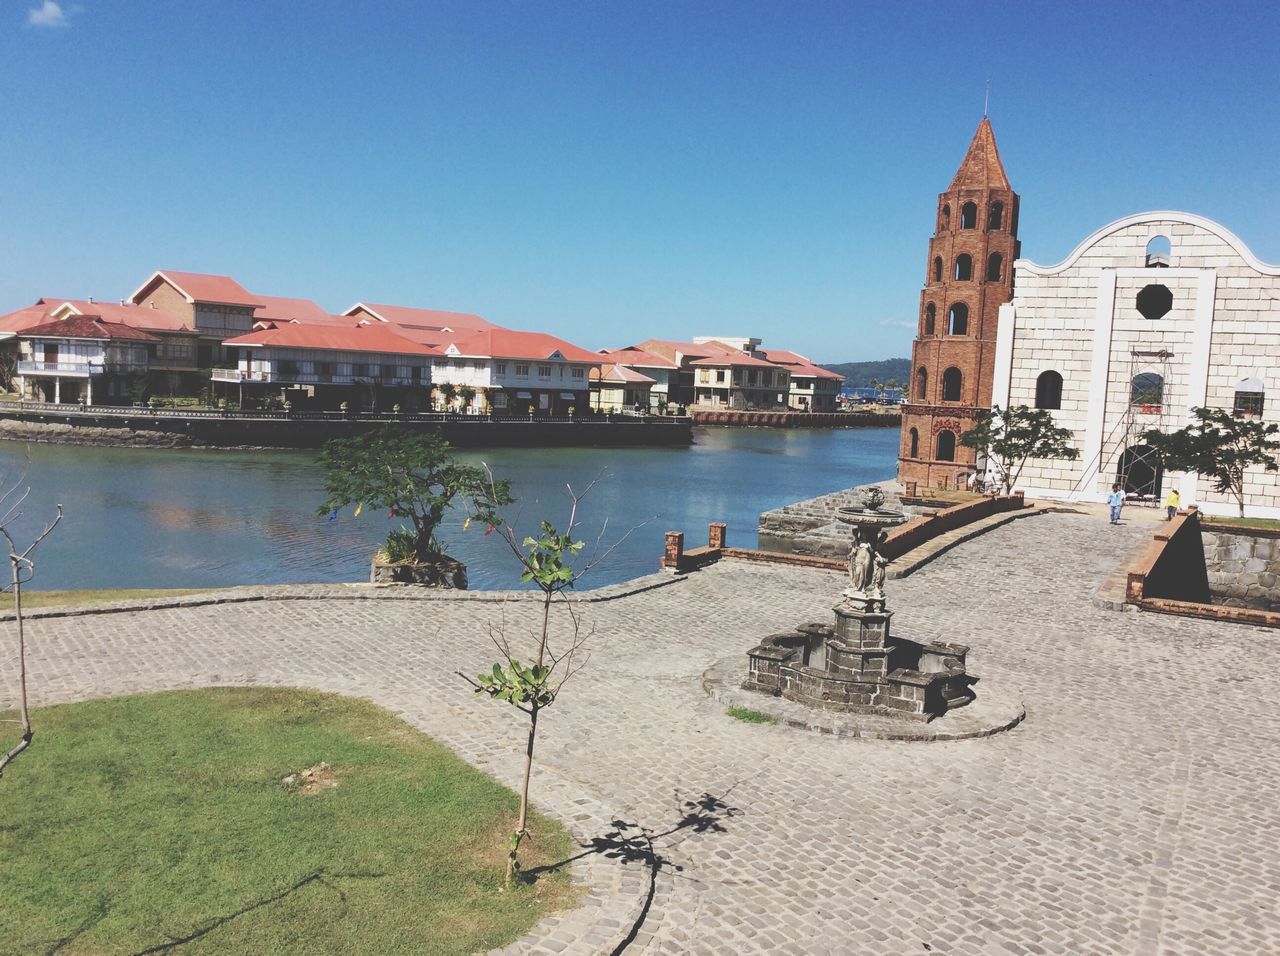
1243	566
798	419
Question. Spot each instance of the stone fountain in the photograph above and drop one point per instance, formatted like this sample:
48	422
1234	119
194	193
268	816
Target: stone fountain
856	666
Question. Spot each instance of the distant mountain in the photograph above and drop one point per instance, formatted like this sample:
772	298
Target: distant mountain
860	374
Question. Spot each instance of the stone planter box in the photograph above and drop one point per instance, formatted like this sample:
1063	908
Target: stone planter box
442	572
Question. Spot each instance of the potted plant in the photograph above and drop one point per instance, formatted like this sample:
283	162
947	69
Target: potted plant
416	478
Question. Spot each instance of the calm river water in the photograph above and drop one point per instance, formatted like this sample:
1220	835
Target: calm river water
170	518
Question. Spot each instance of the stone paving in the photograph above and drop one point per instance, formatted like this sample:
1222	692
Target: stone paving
1135	810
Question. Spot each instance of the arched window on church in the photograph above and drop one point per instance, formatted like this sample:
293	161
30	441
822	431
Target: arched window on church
945	221
1049	390
995	265
937	268
922	384
915	443
969	216
994	216
945	446
964	268
1159	253
930	318
1249	398
1147	388
958	323
951	380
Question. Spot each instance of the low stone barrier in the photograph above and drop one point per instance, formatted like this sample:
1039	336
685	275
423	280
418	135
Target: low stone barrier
926	527
1243	565
797	419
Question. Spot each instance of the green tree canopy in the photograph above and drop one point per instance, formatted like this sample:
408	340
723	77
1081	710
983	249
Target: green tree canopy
1009	437
1220	446
413	476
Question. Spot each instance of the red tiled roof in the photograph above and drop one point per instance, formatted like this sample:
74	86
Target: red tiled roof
737	359
798	364
620	373
425	318
638	358
277	308
87	327
201	287
137	316
25	318
357	338
534	346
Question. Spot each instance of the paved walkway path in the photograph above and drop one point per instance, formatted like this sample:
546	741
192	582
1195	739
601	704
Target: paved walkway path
1134	811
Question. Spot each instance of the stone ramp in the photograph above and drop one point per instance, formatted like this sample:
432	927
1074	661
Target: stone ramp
810	520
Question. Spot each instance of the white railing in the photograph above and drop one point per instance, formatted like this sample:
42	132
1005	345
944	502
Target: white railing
60	368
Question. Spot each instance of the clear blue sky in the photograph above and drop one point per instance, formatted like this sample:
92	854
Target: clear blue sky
609	171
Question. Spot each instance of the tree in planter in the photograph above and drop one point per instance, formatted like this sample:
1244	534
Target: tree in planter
533	685
21	567
467	394
447	392
1218	445
413	476
1009	437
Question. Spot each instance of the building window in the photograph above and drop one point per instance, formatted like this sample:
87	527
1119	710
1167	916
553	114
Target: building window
994	216
951	380
454	363
1159	253
579	373
501	368
959	320
1154	302
995	265
945	446
439	363
544	371
937	268
522	371
930	318
969	216
964	268
1049	390
1147	389
1249	396
324	371
374	371
946	217
288	367
922	384
915	443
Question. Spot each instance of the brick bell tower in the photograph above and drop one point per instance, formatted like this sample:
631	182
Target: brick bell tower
969	276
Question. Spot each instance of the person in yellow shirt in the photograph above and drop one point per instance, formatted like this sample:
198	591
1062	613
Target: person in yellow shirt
1171	503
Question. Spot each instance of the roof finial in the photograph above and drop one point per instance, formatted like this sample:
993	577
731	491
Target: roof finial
986	99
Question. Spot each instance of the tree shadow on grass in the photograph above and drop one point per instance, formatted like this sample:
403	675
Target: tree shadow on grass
321	877
630	842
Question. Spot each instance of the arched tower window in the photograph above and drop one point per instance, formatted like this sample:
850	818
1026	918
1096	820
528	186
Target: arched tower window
969	216
1249	398
959	320
1147	388
946	217
951	380
995	265
945	446
937	268
922	383
1049	390
1159	253
964	267
930	318
915	443
994	216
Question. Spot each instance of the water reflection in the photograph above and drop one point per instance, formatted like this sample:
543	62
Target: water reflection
166	518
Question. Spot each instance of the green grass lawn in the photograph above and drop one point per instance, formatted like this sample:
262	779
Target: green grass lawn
1269	524
34	599
135	823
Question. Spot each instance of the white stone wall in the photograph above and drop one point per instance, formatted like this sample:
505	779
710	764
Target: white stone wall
1080	318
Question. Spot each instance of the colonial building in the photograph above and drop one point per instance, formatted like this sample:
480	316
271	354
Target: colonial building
510	372
1148	317
82	360
619	388
969	275
173	360
737	380
660	370
813	388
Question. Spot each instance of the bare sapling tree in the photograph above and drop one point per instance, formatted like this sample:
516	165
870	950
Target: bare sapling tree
532	685
22	566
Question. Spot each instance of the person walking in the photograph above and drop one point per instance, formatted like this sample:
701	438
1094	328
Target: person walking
1172	501
1116	501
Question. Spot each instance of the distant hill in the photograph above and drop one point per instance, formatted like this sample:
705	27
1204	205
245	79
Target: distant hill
860	374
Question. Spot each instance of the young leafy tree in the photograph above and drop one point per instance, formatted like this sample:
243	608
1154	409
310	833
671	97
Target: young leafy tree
533	685
413	476
1009	437
1219	445
22	567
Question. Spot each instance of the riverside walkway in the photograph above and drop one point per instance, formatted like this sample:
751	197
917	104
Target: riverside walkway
1134	811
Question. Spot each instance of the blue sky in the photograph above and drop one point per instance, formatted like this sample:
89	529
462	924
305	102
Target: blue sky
605	171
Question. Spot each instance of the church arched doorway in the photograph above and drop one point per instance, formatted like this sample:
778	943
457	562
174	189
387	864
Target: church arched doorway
1140	472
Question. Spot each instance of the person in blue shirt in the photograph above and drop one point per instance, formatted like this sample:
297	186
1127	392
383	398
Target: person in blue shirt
1116	501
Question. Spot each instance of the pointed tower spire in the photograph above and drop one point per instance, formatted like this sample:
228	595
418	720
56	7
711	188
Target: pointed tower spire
981	168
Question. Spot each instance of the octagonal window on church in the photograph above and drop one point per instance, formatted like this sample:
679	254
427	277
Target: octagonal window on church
1154	302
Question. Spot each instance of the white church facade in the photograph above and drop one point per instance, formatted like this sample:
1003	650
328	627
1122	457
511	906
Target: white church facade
1150	316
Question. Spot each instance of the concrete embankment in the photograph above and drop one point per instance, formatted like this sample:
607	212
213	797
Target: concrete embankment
148	429
797	419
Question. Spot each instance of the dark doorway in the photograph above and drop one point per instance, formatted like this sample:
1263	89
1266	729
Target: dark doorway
1141	472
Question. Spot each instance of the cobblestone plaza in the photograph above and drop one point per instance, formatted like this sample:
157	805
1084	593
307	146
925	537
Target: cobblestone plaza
1133	811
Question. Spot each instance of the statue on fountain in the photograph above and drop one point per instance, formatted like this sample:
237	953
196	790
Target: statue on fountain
867	565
